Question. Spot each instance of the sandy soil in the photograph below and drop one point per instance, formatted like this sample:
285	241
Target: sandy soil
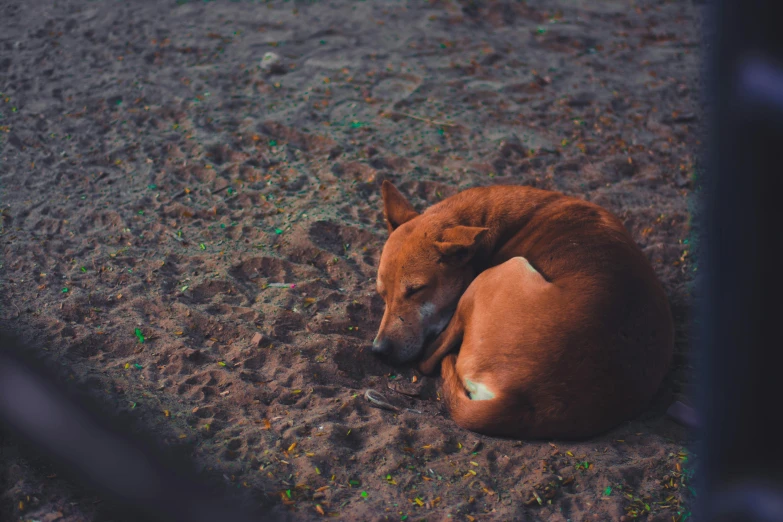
161	183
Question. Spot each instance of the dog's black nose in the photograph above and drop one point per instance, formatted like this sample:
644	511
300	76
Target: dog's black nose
381	346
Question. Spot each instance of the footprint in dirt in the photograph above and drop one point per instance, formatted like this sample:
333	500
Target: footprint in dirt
301	251
270	269
87	347
219	154
220	309
234	449
356	248
206	378
284	324
209	412
340	438
50	226
207	291
83	308
254	362
359	363
197	357
362	214
203	415
197	393
247	315
337	238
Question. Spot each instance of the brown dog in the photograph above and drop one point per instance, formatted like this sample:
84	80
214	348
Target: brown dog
562	327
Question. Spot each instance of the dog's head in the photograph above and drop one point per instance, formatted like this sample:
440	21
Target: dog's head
425	267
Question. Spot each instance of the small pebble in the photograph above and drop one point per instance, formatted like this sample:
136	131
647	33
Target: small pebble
272	63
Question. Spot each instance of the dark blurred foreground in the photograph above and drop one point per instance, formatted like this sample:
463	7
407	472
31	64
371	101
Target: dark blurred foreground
140	481
742	474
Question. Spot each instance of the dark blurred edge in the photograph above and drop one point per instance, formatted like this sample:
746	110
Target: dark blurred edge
89	445
741	352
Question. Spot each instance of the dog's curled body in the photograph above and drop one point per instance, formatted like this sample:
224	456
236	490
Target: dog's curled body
561	326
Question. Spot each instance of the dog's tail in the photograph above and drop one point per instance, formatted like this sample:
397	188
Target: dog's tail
496	416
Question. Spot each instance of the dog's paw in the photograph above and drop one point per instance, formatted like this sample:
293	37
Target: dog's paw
428	366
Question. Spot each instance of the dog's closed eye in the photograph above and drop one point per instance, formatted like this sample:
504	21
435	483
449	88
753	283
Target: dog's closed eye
414	289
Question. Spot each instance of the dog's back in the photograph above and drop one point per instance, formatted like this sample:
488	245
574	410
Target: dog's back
606	341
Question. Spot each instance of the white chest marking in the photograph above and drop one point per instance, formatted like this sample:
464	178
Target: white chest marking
426	311
426	314
478	391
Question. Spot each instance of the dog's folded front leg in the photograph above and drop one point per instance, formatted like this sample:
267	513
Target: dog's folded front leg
441	346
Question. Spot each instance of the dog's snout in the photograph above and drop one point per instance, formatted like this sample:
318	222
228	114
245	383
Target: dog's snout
381	346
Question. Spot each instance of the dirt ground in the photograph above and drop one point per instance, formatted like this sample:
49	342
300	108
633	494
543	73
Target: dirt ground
192	230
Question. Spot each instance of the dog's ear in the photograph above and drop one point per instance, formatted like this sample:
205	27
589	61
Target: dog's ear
396	208
460	243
